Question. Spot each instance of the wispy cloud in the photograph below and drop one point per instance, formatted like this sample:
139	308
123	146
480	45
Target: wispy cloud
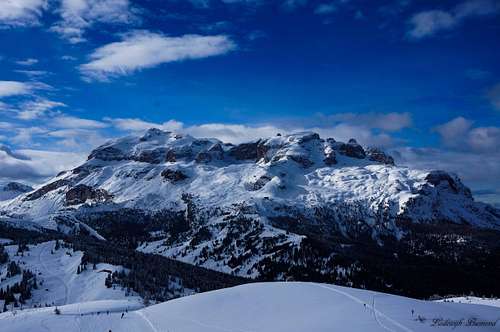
290	5
79	15
144	49
325	8
27	62
428	23
68	58
72	122
13	88
34	109
33	74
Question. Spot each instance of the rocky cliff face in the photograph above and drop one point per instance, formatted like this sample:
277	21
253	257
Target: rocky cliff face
237	208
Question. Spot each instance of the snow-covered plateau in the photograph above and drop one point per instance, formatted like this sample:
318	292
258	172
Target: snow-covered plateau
267	177
291	307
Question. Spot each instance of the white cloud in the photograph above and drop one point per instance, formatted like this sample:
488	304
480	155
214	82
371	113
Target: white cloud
36	165
143	49
21	12
5	125
68	58
427	23
79	15
460	134
27	62
325	8
454	131
14	88
78	139
33	73
24	135
33	109
66	121
484	139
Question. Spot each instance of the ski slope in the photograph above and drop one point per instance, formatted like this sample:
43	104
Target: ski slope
59	283
262	307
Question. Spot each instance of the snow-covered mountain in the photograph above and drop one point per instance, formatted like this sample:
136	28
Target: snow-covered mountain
299	172
293	307
237	208
12	190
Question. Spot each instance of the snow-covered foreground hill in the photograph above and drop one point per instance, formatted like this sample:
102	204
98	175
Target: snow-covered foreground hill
262	307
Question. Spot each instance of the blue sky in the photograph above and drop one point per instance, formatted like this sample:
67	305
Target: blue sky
419	78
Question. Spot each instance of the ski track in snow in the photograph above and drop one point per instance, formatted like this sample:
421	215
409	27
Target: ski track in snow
375	311
376	318
144	318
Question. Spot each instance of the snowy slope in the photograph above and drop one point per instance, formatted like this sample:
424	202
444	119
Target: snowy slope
292	307
58	281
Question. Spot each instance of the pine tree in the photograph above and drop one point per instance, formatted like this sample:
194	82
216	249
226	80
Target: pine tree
13	269
4	256
108	282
